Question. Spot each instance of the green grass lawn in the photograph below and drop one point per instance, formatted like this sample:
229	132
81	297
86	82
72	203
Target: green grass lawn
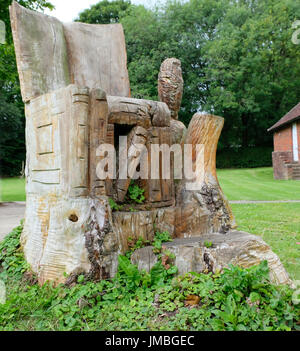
279	227
257	184
238	184
12	189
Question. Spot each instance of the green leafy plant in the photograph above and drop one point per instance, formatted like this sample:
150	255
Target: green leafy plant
208	244
135	244
159	239
135	193
11	257
114	206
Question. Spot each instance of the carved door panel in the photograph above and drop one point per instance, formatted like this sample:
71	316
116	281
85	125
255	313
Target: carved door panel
43	146
160	190
57	142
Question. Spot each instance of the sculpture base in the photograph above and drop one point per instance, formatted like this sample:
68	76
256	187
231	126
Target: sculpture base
142	224
237	248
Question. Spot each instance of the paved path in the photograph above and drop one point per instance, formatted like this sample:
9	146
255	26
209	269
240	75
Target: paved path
10	215
264	202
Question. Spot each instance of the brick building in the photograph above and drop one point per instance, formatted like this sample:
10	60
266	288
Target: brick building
286	155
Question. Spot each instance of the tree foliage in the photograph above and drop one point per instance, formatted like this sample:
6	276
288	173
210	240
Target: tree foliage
105	12
12	121
237	57
252	67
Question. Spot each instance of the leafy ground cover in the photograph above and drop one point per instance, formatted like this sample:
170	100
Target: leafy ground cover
238	299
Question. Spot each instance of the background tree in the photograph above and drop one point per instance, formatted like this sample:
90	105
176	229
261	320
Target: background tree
179	30
252	69
238	61
105	12
12	120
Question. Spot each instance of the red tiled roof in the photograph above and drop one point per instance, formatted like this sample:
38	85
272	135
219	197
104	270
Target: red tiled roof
290	117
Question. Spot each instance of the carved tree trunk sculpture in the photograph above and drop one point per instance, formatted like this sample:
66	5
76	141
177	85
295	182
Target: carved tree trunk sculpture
75	87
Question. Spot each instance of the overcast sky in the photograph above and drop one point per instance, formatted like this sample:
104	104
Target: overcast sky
67	10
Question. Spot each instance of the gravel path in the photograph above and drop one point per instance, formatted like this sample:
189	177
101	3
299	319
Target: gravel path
10	215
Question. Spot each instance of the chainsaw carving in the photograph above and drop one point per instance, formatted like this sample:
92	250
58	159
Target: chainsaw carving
75	87
170	85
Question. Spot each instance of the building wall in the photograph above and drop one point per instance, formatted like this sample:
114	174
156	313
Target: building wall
283	153
280	160
283	139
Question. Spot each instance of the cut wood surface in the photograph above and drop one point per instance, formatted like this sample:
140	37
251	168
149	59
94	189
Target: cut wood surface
52	55
237	248
170	85
41	52
137	138
98	131
143	113
97	57
206	207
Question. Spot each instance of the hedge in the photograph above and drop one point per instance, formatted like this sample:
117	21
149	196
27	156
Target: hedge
250	157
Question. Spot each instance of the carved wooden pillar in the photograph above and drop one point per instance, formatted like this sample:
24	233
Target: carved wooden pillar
205	209
98	132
